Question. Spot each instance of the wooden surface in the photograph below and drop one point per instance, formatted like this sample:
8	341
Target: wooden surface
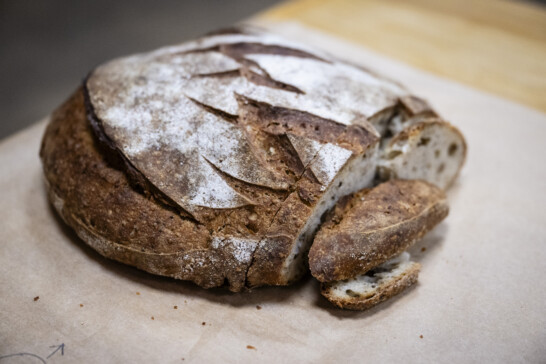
497	46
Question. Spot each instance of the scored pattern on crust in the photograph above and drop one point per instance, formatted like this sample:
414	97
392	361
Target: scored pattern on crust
226	152
181	114
97	200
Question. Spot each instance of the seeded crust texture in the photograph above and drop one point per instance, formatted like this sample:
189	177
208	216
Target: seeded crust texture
214	161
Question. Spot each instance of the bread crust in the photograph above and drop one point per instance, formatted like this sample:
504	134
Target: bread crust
261	144
96	193
213	161
383	293
374	225
98	201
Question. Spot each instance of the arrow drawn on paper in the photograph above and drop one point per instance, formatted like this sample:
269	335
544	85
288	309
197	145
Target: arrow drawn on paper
59	347
23	355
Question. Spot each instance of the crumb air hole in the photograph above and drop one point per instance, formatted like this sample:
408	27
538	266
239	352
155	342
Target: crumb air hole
452	149
394	154
352	293
423	141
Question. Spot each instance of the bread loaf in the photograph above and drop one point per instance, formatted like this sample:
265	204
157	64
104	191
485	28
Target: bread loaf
213	161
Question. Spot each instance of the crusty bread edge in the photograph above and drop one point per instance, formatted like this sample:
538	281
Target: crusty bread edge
162	264
383	293
325	268
207	266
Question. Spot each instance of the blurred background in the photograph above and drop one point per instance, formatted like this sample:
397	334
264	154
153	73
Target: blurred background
48	46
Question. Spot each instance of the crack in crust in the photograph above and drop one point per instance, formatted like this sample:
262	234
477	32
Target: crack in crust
137	178
237	52
279	120
221	74
262	79
268	81
230	118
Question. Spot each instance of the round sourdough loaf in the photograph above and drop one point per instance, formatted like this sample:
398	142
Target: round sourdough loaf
214	161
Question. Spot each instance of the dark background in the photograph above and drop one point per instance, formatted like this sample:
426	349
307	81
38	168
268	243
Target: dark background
47	47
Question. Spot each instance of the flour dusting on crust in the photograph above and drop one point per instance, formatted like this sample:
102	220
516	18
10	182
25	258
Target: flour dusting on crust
173	113
241	249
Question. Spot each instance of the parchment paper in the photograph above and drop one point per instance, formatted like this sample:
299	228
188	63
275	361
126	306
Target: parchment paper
480	298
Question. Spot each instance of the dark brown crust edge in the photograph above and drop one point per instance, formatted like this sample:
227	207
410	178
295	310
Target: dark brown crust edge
141	232
117	159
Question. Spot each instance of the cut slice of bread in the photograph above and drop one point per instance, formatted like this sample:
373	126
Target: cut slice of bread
375	286
431	150
374	225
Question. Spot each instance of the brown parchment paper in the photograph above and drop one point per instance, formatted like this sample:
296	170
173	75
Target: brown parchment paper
481	295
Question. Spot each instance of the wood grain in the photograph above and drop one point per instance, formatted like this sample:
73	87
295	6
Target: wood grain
497	46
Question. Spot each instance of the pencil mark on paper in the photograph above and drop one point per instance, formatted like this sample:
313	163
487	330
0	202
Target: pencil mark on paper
24	355
31	355
58	347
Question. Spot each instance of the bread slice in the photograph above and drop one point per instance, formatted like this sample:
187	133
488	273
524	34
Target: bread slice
375	286
374	225
431	149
